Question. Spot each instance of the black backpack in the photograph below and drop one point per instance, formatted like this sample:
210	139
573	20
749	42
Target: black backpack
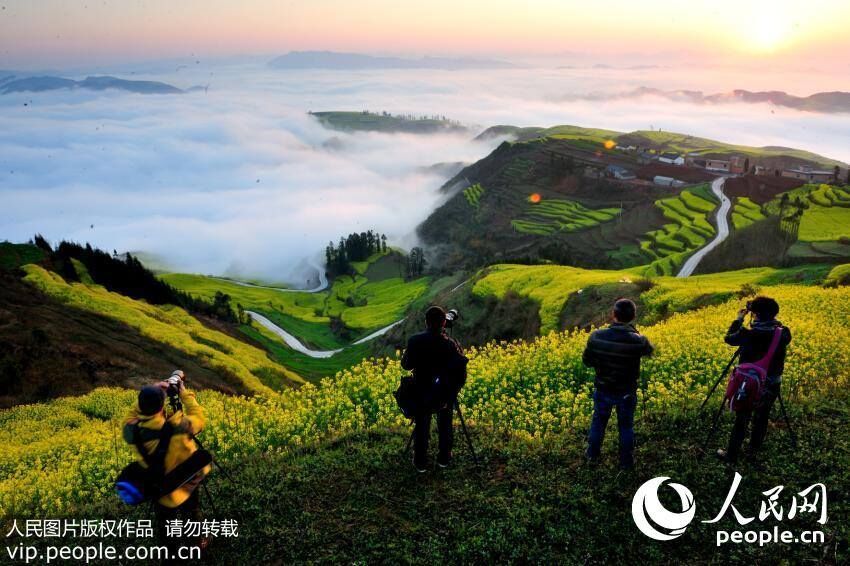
135	483
443	389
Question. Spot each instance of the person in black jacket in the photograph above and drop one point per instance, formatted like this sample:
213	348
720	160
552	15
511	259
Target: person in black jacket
615	353
754	342
429	355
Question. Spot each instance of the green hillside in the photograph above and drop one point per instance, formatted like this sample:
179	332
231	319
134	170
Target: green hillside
319	474
172	326
688	231
353	307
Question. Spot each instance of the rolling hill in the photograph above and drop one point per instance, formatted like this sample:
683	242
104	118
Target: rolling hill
48	83
336	451
545	197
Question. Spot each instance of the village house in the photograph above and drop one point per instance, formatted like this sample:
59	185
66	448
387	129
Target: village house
618	172
663	181
738	164
717	165
671	159
806	173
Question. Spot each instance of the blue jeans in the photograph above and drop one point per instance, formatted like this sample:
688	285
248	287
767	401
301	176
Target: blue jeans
603	404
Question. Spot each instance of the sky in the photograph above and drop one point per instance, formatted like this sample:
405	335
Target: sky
237	179
783	33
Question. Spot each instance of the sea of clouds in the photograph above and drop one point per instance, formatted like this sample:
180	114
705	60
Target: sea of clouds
240	180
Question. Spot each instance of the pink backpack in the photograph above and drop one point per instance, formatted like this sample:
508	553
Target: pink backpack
747	381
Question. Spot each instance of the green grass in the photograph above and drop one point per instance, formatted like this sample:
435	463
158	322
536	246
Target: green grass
304	306
745	212
683	143
172	326
689	231
552	285
320	476
473	195
363	304
312	369
822	223
16	255
558	215
839	275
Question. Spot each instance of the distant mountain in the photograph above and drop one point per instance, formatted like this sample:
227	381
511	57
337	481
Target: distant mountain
826	102
364	121
353	61
13	83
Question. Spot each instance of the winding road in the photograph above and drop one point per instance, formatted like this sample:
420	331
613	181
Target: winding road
298	346
722	229
323	282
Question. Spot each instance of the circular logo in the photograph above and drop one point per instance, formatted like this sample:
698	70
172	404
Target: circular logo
653	519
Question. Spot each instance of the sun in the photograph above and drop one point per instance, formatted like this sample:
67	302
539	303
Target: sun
769	28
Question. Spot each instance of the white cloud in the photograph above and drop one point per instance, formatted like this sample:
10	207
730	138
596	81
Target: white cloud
177	175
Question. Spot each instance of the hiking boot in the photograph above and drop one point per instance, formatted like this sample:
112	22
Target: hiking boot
418	468
444	462
590	460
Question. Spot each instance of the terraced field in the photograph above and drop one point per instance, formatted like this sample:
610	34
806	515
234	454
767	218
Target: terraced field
557	215
828	217
745	212
688	231
473	195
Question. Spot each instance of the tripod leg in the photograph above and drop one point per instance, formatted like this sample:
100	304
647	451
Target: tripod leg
719	379
466	433
209	496
713	428
787	421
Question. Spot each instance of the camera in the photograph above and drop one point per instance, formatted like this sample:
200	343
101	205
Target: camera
173	390
451	316
749	306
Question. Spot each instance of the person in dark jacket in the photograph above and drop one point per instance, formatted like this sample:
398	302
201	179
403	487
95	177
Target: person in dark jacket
754	342
615	353
430	354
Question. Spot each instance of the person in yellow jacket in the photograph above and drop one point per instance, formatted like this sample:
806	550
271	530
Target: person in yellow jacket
142	428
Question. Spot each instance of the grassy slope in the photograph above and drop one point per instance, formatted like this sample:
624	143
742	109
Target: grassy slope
689	230
374	298
670	141
172	326
323	479
552	286
49	349
364	302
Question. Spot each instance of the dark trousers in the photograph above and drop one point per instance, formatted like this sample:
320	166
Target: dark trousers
759	415
603	405
422	434
188	510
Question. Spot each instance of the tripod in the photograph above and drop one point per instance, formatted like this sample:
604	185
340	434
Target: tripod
456	407
716	420
204	482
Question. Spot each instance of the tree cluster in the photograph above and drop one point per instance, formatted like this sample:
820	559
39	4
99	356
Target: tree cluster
416	262
354	247
125	274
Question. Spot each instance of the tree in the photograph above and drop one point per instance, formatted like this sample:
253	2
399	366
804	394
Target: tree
837	173
42	244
